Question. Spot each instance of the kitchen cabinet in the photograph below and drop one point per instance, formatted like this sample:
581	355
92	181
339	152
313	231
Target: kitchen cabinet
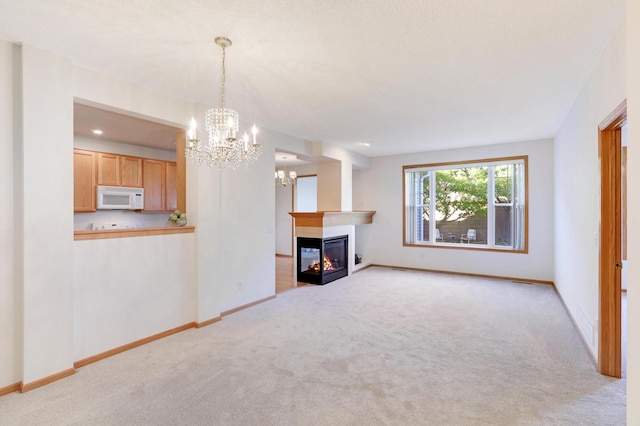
159	182
84	181
154	184
159	179
171	187
108	169
119	170
130	171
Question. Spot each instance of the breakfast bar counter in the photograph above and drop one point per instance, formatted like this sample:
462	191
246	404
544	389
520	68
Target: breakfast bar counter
131	232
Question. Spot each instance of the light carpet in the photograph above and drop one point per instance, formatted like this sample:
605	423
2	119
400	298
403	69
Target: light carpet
380	347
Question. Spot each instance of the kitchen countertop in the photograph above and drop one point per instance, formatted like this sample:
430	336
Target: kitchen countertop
131	232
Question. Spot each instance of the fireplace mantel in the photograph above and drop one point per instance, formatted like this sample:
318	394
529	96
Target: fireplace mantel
324	219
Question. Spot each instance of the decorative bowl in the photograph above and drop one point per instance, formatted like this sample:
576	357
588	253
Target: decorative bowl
177	222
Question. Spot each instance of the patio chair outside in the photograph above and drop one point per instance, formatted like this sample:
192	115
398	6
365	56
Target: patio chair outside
469	236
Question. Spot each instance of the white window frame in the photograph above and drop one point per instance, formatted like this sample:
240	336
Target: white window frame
412	192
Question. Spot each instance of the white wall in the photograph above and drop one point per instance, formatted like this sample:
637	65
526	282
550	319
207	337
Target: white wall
8	373
346	180
126	289
633	141
47	193
577	187
380	188
100	91
204	212
284	221
247	231
335	180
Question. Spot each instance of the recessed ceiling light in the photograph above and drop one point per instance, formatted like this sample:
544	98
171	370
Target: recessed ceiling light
96	131
365	144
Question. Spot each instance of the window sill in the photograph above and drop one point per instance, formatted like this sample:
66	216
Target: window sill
466	246
128	233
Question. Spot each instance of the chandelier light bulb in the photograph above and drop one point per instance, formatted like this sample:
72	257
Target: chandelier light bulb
245	139
254	132
193	129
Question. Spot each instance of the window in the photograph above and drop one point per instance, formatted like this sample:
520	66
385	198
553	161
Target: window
306	194
480	204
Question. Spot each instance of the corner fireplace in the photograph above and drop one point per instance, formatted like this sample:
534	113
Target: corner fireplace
322	260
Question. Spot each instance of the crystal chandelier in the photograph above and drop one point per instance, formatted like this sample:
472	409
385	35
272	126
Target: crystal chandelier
223	149
283	178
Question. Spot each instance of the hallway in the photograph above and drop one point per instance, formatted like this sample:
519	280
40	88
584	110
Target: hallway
285	272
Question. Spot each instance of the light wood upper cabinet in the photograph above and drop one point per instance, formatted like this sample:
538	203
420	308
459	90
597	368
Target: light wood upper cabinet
163	181
119	170
108	169
171	187
84	181
131	171
154	184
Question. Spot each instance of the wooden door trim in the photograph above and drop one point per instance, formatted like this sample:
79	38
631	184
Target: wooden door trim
624	202
610	316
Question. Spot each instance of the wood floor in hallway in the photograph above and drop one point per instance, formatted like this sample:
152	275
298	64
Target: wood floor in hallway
285	274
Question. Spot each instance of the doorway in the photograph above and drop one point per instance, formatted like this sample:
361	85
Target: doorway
300	193
611	242
302	197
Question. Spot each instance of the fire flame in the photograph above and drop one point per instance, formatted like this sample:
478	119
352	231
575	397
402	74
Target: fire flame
328	266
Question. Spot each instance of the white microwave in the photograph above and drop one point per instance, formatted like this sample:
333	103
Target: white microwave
120	198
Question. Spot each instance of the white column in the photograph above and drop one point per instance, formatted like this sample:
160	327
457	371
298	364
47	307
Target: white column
633	217
330	186
10	350
44	231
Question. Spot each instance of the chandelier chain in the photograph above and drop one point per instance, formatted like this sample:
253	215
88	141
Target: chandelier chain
224	79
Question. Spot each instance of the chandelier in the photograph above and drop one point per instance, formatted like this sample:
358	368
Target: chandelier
223	148
283	178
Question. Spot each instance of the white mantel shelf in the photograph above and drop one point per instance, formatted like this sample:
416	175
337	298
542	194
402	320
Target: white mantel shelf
324	219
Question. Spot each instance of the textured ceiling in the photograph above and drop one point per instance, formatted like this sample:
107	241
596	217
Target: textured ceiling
403	75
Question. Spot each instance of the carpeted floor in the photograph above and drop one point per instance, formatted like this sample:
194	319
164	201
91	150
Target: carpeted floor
380	347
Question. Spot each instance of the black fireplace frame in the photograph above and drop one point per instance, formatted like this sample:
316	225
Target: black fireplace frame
322	277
